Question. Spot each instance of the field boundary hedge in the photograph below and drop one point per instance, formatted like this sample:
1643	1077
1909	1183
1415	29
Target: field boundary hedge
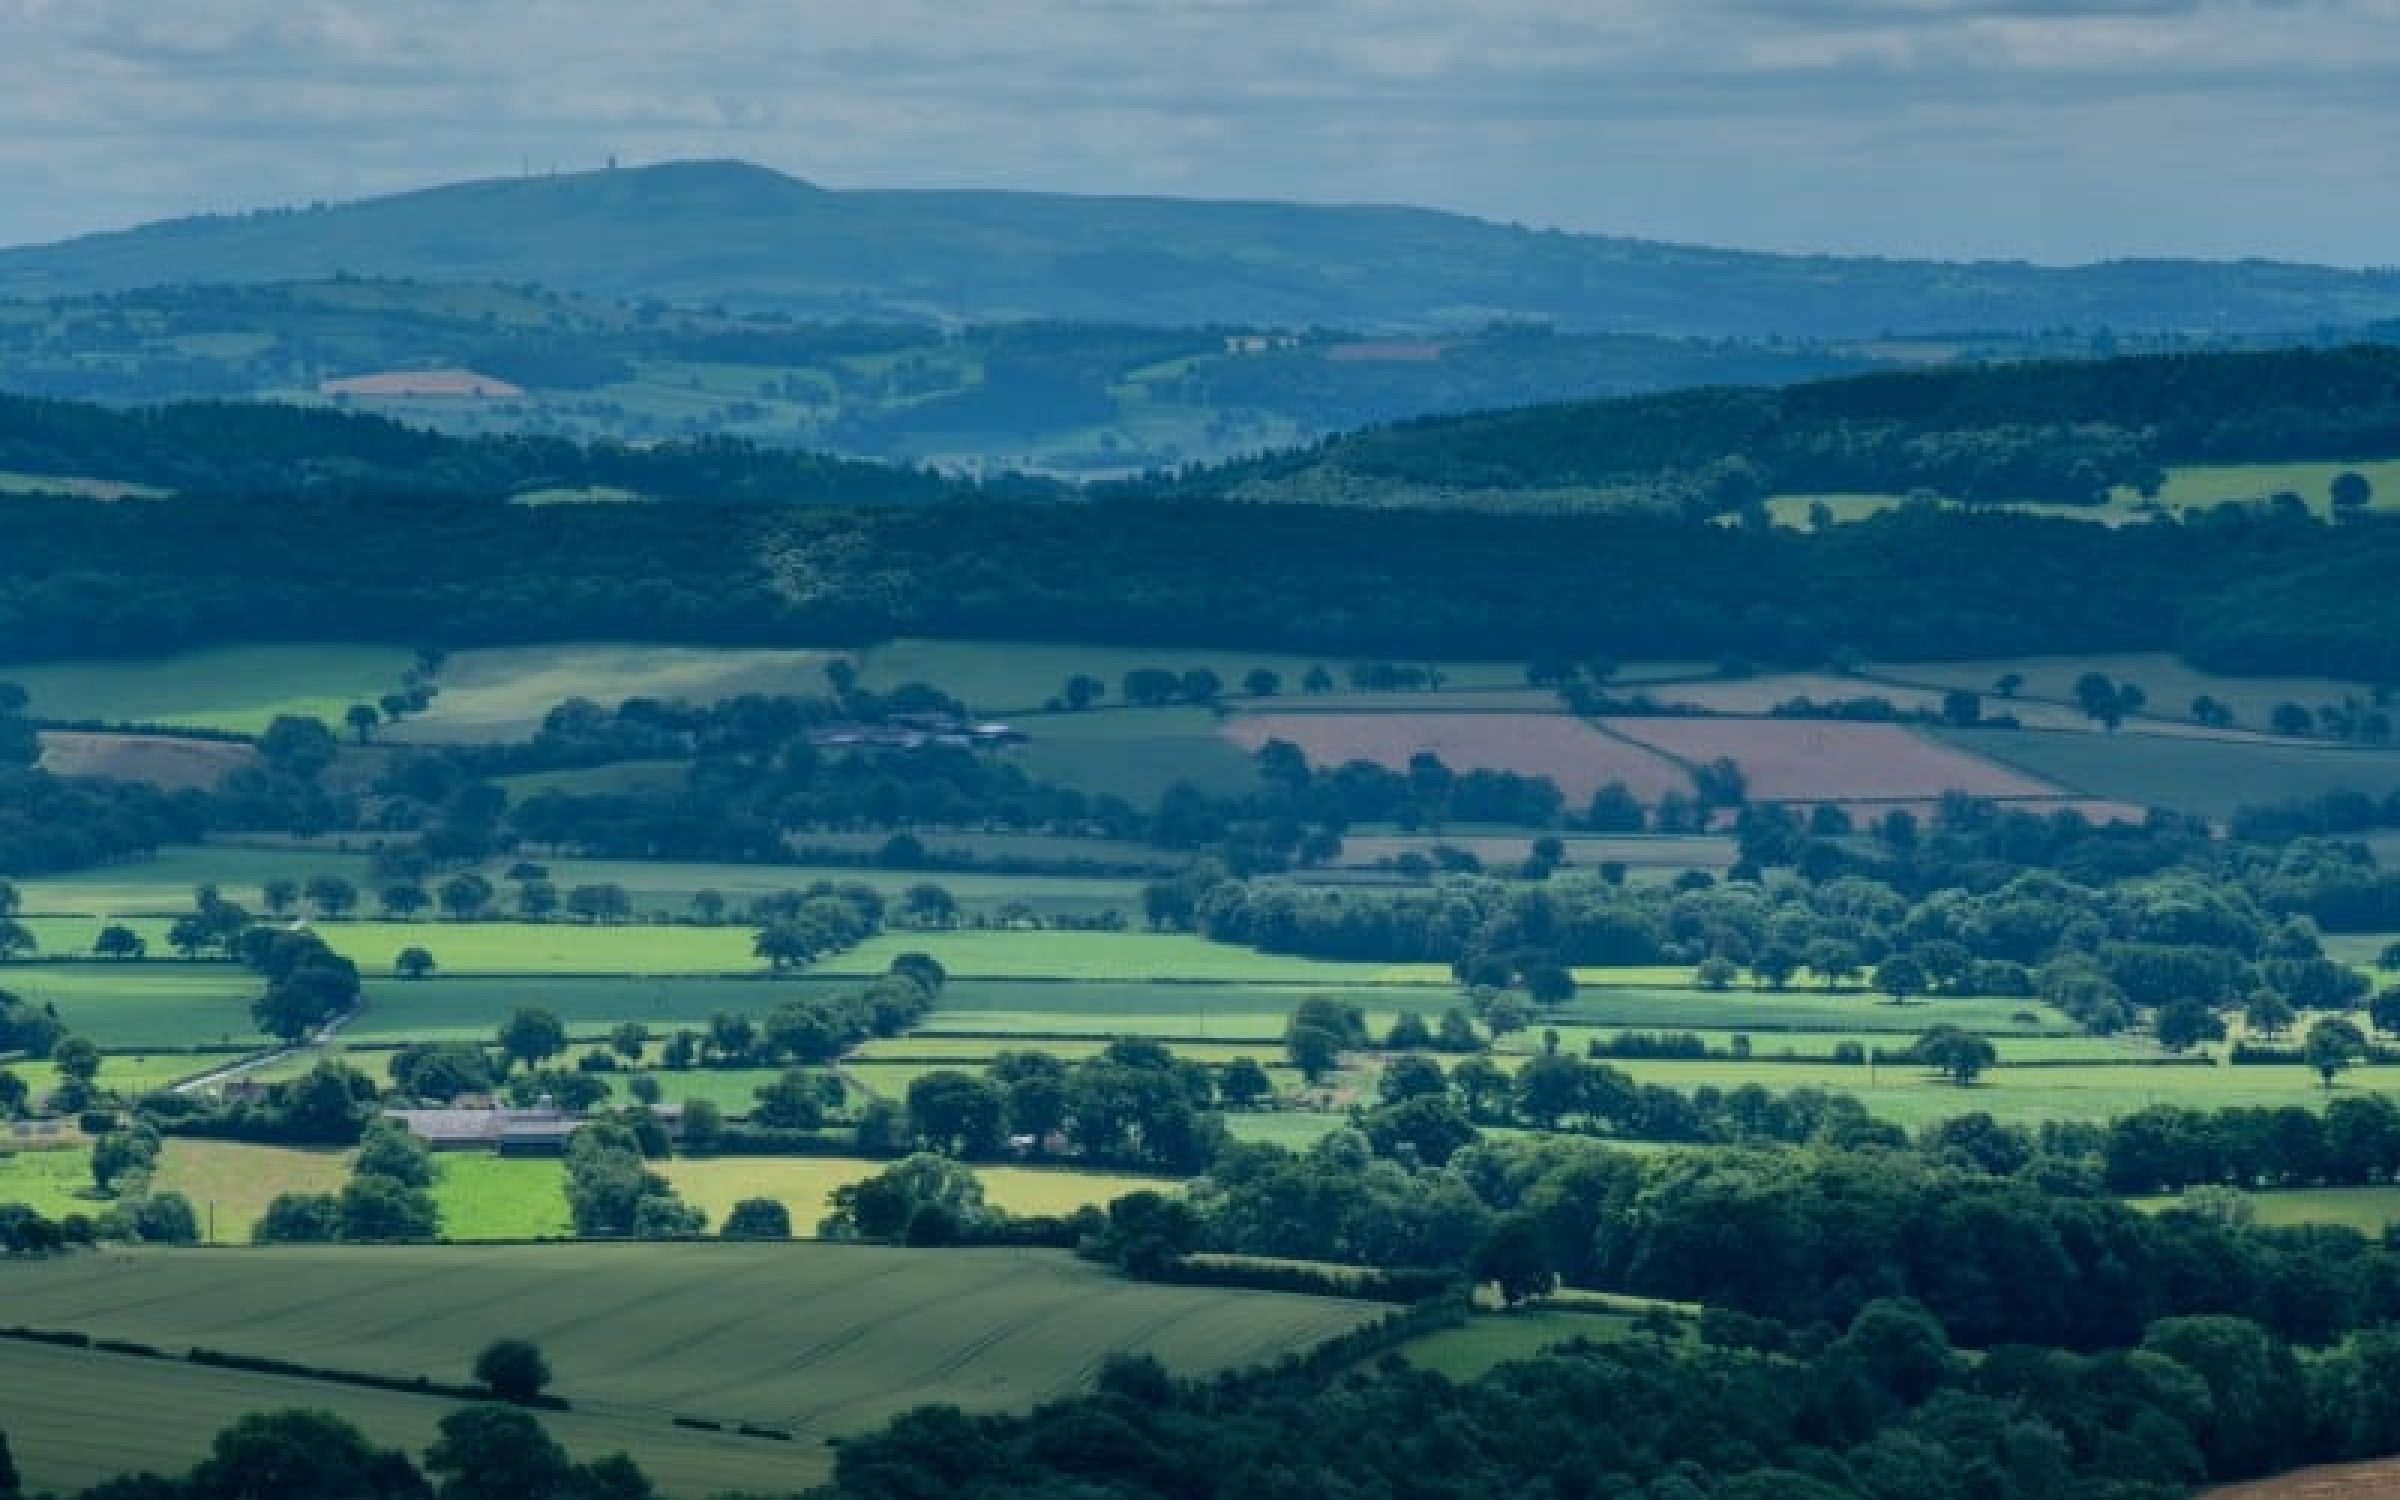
257	1364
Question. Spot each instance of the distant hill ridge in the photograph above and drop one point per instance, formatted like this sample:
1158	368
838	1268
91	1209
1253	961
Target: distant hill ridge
749	237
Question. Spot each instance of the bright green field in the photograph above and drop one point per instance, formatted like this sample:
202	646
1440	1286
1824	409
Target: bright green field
2365	1209
241	688
452	1009
805	1185
813	1339
502	693
2211	778
230	1185
127	1073
2169	683
131	1006
162	885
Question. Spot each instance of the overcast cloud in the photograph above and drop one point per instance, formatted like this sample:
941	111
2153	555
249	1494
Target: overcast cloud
2044	129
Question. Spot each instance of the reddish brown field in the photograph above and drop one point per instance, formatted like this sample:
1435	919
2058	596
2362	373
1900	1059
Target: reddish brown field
1578	758
399	383
2378	1480
1803	760
172	764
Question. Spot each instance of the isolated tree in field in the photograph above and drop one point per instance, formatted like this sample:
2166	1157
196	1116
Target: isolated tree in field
279	894
1956	1053
1901	976
122	1154
2291	720
2332	1045
300	748
1317	680
601	901
513	1370
627	1040
532	1036
362	719
536	899
403	900
2107	701
412	963
2384	1010
1200	685
465	896
2009	684
331	895
1832	960
2268	1014
15	938
1147	687
2187	1023
1314	1050
1082	691
757	1219
1261	682
2351	491
783	945
926	904
1242	1083
77	1060
118	941
708	907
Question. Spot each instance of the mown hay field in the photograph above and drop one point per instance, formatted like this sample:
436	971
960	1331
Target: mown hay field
813	1339
72	1423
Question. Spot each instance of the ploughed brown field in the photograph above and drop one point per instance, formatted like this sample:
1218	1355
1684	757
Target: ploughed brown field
1808	760
173	764
2376	1480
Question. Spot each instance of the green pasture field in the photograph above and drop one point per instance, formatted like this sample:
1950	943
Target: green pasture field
471	1009
2203	486
502	693
969	1052
813	1339
1000	846
1911	1097
2365	1209
79	486
131	1006
485	1197
1488	1340
805	1185
68	1429
1020	677
548	947
1028	954
2169	683
1134	753
162	885
239	688
1221	1011
126	1073
622	779
1767	1046
2209	778
667	889
1294	1130
51	1178
1770	1014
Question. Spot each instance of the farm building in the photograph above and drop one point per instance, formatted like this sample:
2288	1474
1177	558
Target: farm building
541	1130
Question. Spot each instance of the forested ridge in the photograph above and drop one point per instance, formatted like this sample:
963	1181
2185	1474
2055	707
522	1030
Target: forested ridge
2243	592
2063	431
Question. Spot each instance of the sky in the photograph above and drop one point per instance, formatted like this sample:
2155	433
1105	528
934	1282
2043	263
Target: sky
2048	130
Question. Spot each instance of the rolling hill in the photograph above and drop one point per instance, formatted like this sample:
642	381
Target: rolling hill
748	237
